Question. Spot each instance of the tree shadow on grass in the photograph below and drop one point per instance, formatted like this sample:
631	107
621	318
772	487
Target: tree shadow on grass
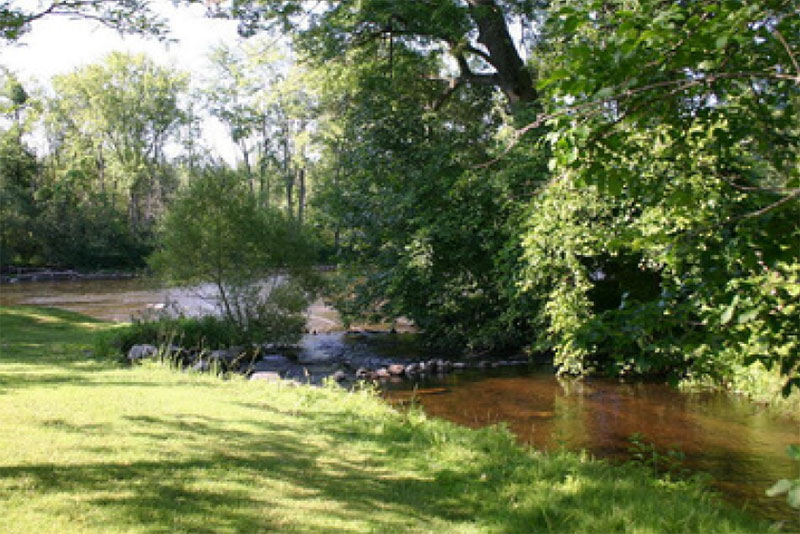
236	483
338	472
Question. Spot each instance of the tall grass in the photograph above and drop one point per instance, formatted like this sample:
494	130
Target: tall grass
90	447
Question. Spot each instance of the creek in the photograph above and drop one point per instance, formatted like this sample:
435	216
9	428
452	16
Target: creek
741	445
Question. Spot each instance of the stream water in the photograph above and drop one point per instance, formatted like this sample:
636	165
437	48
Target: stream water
739	444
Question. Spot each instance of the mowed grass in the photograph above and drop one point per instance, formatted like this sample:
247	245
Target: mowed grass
90	446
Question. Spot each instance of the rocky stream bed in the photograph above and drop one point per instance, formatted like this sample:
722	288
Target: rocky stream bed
347	357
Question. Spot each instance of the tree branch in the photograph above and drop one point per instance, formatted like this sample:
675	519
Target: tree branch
595	106
769	208
788	51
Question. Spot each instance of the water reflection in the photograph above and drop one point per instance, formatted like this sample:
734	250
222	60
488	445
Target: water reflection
742	446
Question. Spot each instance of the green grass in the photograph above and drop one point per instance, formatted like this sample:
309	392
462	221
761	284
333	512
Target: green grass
89	446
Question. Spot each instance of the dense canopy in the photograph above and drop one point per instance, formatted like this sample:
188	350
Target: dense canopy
615	184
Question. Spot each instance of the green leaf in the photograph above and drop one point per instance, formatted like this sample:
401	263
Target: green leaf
727	315
747	316
793	451
570	24
721	41
605	92
779	488
794	497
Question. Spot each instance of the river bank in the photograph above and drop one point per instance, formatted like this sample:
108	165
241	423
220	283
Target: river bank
20	275
92	447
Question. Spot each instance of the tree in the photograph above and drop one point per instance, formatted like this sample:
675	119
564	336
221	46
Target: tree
216	232
120	114
258	93
676	121
54	215
129	16
475	34
426	232
18	172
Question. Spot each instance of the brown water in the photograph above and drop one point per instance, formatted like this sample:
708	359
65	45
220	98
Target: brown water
741	445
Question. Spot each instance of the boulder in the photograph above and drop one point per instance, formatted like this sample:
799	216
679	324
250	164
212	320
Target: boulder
226	355
271	363
141	352
222	355
200	366
362	372
266	376
412	369
383	372
396	369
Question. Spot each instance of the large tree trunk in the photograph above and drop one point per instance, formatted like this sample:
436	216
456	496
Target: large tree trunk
512	76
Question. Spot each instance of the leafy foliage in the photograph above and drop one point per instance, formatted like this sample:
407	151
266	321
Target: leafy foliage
424	231
628	199
674	122
280	321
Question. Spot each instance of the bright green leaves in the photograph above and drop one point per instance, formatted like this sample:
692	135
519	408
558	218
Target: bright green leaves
216	232
673	117
727	315
791	488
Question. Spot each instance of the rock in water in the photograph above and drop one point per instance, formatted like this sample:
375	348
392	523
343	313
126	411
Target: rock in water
396	369
382	373
266	376
271	363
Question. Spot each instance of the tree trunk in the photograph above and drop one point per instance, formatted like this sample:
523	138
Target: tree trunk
289	194
100	165
287	171
301	195
512	76
247	167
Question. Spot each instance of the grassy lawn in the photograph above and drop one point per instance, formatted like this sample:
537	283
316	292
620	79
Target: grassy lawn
87	445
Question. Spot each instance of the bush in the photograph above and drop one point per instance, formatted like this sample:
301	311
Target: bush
207	332
274	318
257	259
